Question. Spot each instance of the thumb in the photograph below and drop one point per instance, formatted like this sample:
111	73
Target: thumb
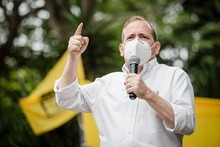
85	44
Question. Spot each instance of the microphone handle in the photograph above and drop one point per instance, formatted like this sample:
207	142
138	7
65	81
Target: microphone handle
132	96
133	69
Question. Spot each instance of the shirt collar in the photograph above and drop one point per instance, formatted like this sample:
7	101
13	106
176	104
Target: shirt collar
146	67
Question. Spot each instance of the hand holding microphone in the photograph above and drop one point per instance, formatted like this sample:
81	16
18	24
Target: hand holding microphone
134	83
134	61
137	53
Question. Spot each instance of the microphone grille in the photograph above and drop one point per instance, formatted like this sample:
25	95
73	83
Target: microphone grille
134	60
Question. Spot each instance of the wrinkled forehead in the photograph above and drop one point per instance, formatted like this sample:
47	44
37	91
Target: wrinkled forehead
138	26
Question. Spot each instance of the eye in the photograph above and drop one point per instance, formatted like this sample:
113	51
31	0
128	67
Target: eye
130	38
144	37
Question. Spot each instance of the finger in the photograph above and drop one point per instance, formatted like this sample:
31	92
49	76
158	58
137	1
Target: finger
126	82
129	85
130	80
79	29
131	90
76	40
86	39
76	37
73	48
85	42
131	75
75	45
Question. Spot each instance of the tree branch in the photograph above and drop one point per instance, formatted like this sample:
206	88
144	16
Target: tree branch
4	11
32	12
14	21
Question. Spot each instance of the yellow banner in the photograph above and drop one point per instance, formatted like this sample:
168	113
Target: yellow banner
44	115
40	107
207	129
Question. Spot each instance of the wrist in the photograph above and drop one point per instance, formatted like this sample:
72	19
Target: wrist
149	95
74	57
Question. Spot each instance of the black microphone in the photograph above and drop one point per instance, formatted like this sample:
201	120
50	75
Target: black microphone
134	61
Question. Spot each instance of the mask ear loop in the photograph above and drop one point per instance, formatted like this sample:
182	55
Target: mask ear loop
123	46
152	45
151	51
124	55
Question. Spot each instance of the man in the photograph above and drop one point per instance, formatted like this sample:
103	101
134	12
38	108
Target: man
164	108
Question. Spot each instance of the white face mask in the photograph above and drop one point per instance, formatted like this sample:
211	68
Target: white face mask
138	48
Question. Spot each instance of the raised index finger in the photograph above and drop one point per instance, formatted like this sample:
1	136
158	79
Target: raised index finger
79	29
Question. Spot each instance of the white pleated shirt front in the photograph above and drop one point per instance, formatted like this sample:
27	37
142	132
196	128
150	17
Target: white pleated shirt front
123	122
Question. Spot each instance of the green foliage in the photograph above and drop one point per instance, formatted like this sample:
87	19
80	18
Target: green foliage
31	43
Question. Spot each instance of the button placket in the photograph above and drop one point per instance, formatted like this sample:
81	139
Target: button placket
133	111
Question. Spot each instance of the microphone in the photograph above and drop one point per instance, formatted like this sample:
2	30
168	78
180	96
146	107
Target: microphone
134	61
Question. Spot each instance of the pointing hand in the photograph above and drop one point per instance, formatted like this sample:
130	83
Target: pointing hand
77	43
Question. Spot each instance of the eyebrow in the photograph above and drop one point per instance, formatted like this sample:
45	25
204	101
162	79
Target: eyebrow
132	34
140	34
143	34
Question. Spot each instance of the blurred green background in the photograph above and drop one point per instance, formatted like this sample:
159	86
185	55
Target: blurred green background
34	35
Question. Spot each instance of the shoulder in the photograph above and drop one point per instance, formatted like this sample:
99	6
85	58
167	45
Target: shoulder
178	75
111	76
111	79
171	70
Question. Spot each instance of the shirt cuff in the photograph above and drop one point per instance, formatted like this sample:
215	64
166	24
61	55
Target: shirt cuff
179	119
66	92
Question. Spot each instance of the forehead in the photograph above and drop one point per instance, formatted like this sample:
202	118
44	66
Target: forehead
138	26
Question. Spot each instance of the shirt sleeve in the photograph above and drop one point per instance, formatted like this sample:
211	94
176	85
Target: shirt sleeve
76	97
182	101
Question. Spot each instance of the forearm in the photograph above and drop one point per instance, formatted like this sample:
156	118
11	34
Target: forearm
70	71
76	46
161	106
134	83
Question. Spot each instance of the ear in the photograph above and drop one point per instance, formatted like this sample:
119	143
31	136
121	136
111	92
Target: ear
121	49
157	48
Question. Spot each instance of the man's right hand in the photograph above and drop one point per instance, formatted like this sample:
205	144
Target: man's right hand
77	43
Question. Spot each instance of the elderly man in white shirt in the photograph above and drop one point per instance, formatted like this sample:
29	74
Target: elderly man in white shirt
164	108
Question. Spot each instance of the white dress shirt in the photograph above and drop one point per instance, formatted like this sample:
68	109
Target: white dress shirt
123	122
